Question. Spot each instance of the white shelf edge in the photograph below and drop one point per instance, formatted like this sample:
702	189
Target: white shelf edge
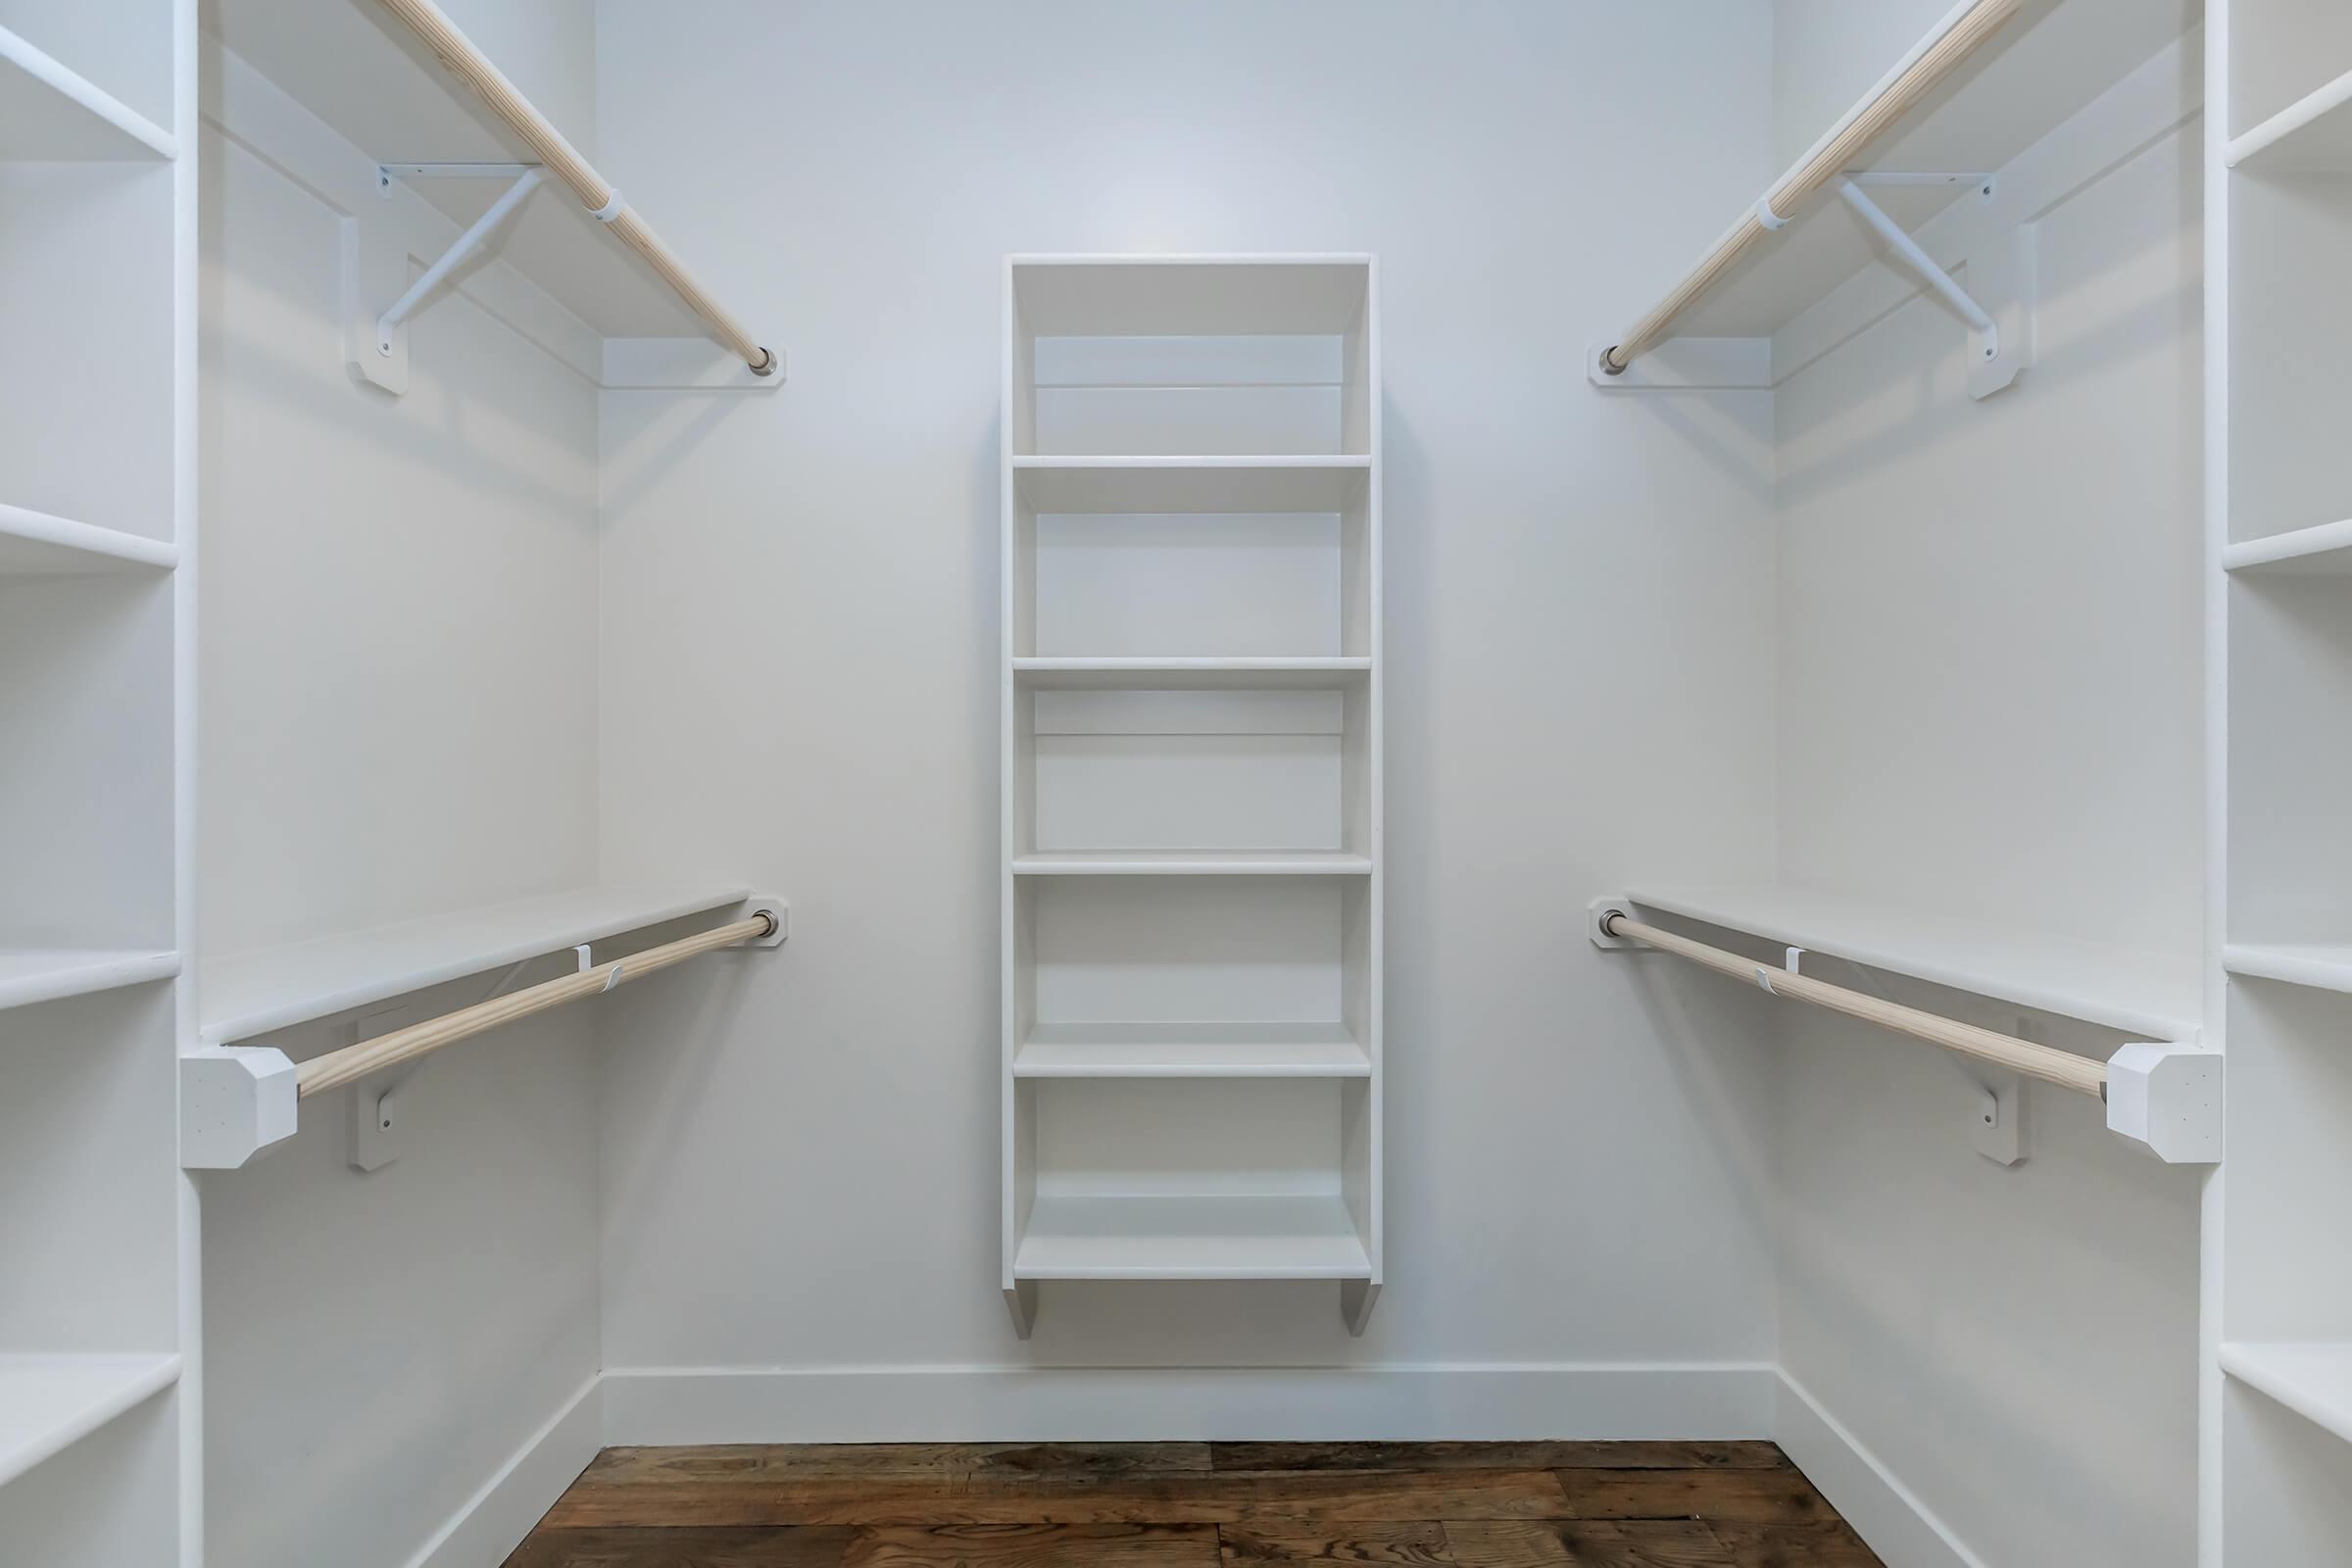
84	95
30	976
2280	129
2154	1025
2318	965
1336	665
2279	549
87	1391
1221	461
1206	863
1211	1051
304	1003
107	549
2281	1371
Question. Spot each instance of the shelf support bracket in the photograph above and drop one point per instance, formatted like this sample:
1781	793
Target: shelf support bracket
1987	343
384	359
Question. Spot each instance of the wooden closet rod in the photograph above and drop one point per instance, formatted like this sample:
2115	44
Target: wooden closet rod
469	64
339	1067
2050	1065
1961	34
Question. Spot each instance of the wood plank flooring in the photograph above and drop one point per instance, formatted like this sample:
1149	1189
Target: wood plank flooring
1195	1505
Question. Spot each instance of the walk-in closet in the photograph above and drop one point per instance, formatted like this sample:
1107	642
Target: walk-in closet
1177	783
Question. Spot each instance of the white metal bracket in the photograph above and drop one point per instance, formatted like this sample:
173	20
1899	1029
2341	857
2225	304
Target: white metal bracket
380	353
375	1125
1599	909
2168	1098
234	1101
776	910
1985	343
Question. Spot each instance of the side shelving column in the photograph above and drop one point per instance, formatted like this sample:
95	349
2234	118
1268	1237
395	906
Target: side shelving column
97	295
2279	1385
1192	772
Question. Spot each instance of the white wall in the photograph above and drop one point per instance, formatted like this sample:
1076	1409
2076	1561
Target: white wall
397	661
1989	701
1826	54
799	683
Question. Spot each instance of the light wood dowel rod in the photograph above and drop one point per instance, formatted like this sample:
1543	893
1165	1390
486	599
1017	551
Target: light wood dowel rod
1960	35
562	160
339	1067
2044	1063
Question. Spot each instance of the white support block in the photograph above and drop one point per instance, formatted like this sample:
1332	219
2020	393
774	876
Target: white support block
234	1101
2168	1097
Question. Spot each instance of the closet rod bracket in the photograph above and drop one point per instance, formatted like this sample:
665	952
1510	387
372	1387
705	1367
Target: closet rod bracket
234	1101
1986	344
2168	1098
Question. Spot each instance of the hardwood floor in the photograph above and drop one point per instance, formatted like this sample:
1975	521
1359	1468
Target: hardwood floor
1195	1505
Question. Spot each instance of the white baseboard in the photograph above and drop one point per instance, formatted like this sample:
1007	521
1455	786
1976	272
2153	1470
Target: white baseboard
1887	1516
1075	1405
495	1519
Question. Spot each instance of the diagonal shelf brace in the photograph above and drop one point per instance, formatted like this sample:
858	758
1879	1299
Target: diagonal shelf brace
1946	287
388	323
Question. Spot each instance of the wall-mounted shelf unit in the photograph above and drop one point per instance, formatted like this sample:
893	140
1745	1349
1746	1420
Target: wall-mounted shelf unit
252	993
1992	79
426	116
1192	772
2149	995
50	1402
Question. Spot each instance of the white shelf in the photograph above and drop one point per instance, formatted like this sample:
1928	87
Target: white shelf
30	975
1191	1238
1193	863
350	62
2324	551
2328	966
1216	674
1269	484
50	113
2313	135
250	994
49	1402
1191	1051
2149	995
2037	73
2312	1380
35	544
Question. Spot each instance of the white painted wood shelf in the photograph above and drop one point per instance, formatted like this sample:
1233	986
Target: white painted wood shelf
49	112
1307	1237
1191	1051
245	995
2310	136
2037	73
1193	863
2152	995
30	975
2312	1380
1237	674
2321	550
50	1402
2322	966
36	544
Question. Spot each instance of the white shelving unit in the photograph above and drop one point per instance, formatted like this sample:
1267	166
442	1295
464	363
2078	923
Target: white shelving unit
97	307
1191	698
2279	334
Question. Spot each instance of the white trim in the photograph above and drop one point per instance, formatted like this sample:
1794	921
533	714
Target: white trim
1886	1515
1719	1401
494	1520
